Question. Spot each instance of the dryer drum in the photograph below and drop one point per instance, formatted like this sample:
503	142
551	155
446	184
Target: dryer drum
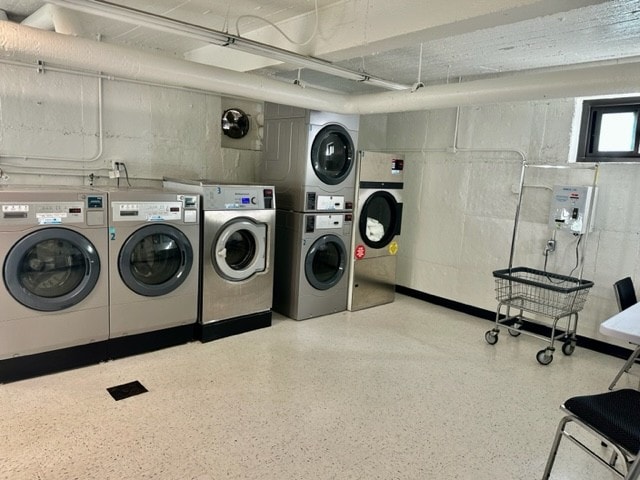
51	269
332	154
325	262
155	260
380	219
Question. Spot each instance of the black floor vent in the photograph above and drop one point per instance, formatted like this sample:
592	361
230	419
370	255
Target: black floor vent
126	390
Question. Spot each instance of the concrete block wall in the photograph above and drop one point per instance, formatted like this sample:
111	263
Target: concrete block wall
460	202
50	131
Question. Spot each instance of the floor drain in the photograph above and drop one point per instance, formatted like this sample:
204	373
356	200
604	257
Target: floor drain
126	390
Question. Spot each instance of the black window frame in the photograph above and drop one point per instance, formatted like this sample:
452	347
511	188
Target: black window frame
592	111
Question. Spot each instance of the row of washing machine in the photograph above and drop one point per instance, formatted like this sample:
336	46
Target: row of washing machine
339	213
91	274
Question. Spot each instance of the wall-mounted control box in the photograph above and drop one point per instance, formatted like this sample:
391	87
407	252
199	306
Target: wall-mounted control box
571	207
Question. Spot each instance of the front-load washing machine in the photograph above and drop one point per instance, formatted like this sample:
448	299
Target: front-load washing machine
312	262
310	157
54	299
153	269
238	234
378	216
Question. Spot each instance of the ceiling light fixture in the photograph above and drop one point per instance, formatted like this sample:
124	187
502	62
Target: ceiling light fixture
222	39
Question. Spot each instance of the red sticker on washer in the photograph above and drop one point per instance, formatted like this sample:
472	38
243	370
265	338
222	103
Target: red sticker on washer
360	252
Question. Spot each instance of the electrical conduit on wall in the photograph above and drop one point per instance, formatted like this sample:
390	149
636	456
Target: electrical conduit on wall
18	41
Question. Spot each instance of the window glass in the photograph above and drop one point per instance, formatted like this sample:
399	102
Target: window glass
617	132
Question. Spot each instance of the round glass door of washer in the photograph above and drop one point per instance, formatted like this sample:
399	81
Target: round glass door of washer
239	250
155	260
51	269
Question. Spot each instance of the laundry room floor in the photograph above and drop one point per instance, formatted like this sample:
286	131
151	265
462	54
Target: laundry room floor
403	391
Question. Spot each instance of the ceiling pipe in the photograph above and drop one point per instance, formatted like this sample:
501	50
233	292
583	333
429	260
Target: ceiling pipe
616	79
3	15
17	41
53	18
141	18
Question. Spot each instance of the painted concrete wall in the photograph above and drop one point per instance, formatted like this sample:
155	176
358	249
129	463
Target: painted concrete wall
50	131
460	206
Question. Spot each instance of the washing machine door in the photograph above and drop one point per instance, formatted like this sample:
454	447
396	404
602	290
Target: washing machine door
239	250
155	260
325	262
380	219
332	154
51	269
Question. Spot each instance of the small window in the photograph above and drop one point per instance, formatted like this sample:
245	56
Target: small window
610	130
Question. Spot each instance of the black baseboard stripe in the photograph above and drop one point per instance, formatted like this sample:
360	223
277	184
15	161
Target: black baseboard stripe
233	326
120	347
29	366
584	342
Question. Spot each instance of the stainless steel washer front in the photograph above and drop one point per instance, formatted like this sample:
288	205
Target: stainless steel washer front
238	234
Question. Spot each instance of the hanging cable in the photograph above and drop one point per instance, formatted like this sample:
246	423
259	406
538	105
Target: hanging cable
289	39
419	83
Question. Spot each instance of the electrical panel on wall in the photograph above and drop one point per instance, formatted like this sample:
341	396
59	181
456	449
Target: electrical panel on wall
241	124
571	208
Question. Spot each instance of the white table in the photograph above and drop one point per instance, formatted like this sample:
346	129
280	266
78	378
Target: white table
624	325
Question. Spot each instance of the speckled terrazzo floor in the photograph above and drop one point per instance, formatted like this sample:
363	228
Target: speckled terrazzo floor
403	391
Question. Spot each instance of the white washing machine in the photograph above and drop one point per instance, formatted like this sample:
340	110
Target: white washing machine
312	262
238	236
378	214
153	269
54	296
310	157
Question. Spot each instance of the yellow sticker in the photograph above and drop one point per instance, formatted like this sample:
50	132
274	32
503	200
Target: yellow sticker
393	248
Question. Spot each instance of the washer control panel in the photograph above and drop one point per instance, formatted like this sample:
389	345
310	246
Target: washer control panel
146	211
87	210
238	197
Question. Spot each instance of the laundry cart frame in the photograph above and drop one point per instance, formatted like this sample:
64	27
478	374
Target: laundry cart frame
535	293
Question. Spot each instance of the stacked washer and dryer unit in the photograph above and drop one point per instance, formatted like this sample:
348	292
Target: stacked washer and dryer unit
237	249
310	157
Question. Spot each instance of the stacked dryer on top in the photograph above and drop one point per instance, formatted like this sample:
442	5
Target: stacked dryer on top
310	158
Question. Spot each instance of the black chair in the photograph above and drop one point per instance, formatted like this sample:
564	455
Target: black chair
626	297
613	418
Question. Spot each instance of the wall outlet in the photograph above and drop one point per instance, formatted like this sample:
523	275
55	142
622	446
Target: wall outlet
551	246
115	169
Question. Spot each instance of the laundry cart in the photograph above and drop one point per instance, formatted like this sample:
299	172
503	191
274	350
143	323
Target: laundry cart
538	302
557	297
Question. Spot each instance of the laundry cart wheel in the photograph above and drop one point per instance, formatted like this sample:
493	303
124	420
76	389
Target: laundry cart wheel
544	357
516	332
569	346
491	337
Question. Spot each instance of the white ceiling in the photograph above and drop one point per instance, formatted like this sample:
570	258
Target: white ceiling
457	38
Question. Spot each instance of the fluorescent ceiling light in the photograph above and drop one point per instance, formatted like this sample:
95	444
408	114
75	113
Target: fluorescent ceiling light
222	39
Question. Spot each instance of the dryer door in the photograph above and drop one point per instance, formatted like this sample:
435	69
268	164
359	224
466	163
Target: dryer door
155	260
239	250
325	262
332	154
51	269
380	219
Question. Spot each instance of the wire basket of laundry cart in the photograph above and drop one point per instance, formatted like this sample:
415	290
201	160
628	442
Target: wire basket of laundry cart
542	293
